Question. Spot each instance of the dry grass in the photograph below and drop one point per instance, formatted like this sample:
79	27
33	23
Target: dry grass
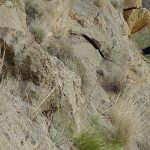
128	121
38	109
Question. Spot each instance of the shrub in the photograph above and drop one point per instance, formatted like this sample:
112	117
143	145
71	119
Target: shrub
39	30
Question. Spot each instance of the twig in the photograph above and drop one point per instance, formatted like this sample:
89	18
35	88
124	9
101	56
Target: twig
89	96
38	109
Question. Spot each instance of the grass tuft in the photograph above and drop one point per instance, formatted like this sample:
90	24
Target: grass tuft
128	121
94	141
95	138
39	30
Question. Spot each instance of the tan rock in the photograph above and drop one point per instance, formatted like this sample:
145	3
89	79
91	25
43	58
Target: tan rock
132	4
12	17
137	19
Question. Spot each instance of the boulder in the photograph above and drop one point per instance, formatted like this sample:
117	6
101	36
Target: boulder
132	4
12	17
137	19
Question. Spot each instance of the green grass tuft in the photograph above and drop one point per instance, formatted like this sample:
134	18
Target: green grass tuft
39	30
95	141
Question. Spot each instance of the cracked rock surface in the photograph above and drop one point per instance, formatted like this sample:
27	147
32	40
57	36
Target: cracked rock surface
84	69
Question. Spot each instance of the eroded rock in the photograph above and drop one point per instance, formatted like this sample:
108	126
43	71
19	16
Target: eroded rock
137	19
98	38
129	4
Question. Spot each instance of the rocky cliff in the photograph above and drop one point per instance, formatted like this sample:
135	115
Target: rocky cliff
71	78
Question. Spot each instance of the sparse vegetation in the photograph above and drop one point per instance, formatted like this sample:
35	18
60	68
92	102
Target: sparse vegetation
95	141
127	119
41	103
39	30
94	138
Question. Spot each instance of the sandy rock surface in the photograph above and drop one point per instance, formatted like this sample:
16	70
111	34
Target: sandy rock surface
87	59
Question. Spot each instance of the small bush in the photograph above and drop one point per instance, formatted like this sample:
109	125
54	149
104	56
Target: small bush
39	30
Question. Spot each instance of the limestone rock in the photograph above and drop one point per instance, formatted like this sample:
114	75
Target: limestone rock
137	19
17	130
132	4
12	17
99	39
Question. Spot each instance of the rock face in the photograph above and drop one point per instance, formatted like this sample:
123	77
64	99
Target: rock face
17	130
86	59
128	4
137	19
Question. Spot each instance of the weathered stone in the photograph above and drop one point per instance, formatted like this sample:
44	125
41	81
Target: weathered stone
132	4
12	17
98	39
137	19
